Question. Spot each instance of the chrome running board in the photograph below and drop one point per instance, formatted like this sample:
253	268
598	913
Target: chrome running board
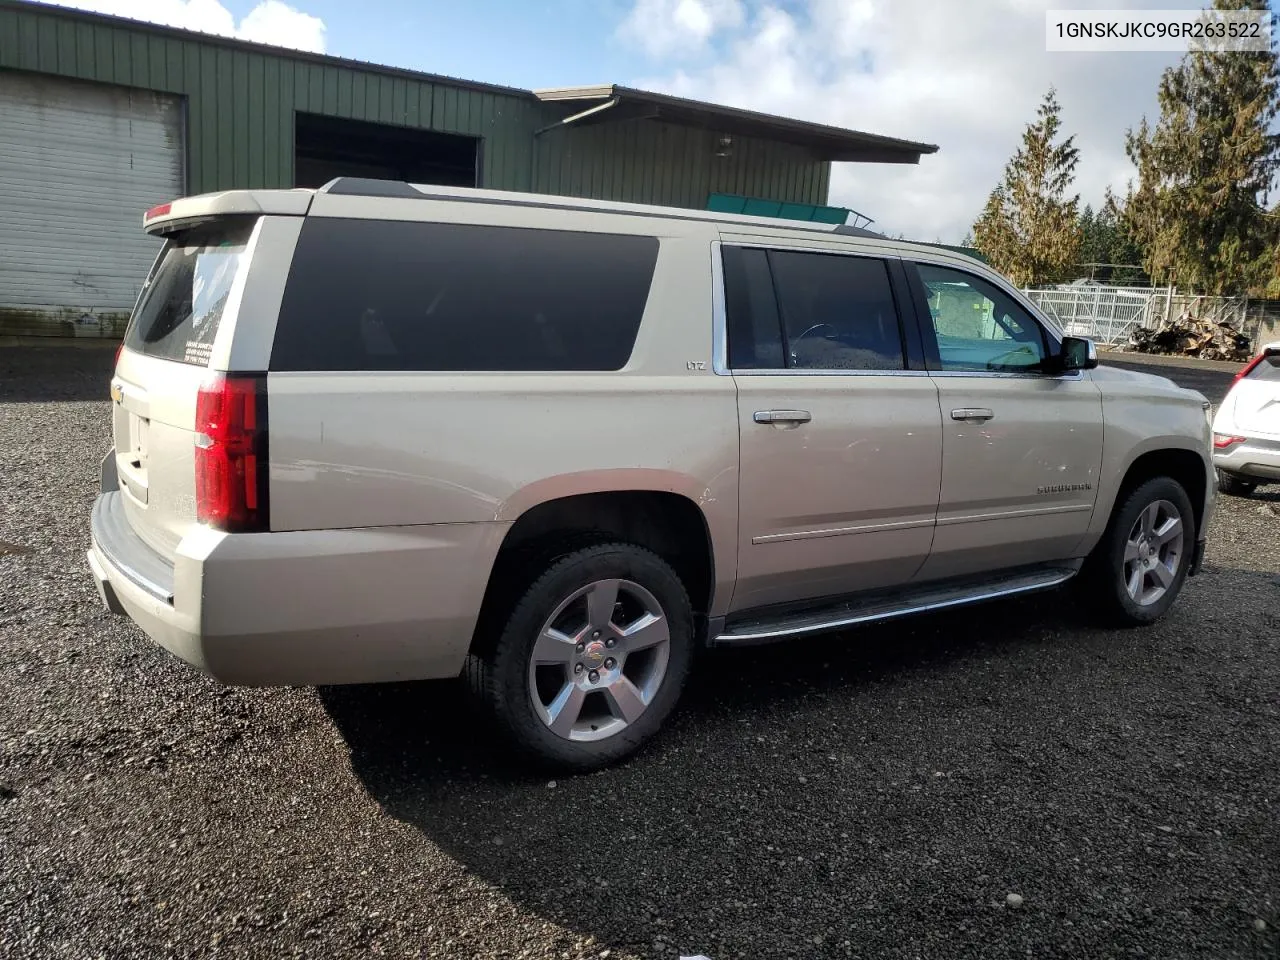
758	627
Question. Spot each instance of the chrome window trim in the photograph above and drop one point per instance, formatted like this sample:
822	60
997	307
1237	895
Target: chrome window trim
1007	374
802	372
809	247
976	374
719	315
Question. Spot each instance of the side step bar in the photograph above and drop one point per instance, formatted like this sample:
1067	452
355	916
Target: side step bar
838	614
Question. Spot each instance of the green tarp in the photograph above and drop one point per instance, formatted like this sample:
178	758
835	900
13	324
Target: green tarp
753	207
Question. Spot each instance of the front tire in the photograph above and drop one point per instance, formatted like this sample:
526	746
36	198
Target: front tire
592	659
1138	568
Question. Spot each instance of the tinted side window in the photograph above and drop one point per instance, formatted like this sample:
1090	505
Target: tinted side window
755	335
978	326
838	311
392	295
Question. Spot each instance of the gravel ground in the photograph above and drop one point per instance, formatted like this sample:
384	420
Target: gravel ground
1005	782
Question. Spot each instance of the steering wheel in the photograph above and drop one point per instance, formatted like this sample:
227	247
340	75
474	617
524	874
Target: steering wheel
816	326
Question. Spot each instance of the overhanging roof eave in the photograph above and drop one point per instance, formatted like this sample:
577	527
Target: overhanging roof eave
826	142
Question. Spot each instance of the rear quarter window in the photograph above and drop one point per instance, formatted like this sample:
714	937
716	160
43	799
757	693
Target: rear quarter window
394	295
183	301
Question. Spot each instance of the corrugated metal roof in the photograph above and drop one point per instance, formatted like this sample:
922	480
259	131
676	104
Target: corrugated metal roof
251	46
826	142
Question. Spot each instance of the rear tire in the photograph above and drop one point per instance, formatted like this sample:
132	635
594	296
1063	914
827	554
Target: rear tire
1138	568
591	660
1233	485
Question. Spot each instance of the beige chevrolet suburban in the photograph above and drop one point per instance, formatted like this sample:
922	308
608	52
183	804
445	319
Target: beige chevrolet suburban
380	431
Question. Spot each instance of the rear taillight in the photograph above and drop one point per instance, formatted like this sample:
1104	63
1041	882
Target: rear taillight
119	350
231	453
1223	440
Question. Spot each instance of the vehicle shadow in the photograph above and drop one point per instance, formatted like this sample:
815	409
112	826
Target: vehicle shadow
746	825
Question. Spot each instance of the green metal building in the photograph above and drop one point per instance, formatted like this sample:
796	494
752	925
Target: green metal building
102	117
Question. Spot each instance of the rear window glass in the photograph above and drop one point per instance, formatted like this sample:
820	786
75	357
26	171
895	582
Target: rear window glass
1268	368
392	295
182	304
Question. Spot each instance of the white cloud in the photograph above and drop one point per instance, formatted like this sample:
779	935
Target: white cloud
966	76
271	21
274	22
664	28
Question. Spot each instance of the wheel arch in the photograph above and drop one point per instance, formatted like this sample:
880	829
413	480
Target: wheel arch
655	516
1165	457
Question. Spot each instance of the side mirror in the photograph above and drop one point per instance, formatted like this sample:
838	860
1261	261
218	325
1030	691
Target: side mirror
1078	353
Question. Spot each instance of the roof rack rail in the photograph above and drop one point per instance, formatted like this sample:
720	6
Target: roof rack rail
400	189
850	231
370	187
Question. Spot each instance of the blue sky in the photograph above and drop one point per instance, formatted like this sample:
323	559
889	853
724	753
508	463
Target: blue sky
543	44
964	74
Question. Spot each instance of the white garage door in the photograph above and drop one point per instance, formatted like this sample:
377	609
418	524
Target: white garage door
79	165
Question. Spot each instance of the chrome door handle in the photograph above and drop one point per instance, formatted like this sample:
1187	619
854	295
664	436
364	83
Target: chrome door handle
972	413
782	416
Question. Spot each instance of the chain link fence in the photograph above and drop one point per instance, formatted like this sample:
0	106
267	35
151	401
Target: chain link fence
1110	314
1107	315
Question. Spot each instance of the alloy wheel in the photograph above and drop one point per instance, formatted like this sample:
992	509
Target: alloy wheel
1153	553
599	660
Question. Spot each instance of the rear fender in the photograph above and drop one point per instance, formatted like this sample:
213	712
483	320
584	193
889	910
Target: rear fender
717	501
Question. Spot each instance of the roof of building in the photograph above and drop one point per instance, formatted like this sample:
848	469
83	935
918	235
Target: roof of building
603	103
253	46
594	104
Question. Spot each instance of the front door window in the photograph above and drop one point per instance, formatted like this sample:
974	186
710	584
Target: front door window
979	327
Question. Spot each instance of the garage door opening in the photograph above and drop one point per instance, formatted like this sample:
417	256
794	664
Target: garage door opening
328	147
79	162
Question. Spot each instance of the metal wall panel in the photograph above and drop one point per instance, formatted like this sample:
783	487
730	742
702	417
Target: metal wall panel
79	163
643	161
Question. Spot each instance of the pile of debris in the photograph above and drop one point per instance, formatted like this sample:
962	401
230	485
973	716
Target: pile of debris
1189	337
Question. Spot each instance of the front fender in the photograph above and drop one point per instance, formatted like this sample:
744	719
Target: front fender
1117	464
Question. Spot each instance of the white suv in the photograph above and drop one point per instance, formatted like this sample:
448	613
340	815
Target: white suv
1246	430
381	432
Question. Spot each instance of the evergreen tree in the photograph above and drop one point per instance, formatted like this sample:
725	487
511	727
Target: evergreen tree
1028	229
1122	250
1204	171
1107	252
1093	246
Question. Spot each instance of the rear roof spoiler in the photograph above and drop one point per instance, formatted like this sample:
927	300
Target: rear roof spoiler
187	211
